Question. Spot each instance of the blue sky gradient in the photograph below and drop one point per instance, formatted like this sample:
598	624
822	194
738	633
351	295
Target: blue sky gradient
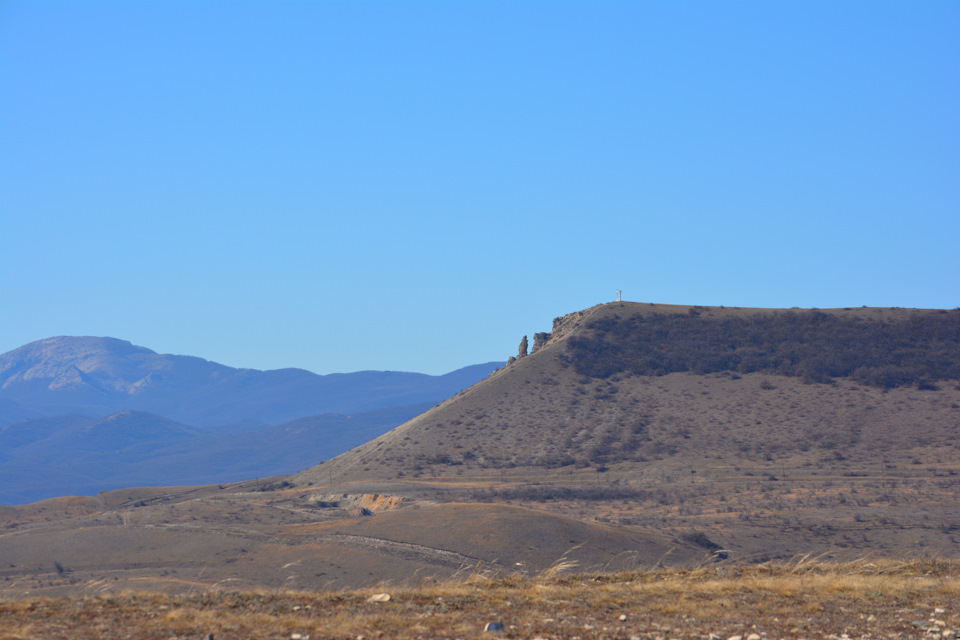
341	186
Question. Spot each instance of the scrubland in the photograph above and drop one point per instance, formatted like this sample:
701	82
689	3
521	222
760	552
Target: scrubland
797	599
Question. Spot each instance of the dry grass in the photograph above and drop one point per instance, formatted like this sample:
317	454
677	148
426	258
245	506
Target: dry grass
800	599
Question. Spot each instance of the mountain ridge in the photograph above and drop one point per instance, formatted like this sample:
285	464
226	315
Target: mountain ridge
100	376
82	414
76	454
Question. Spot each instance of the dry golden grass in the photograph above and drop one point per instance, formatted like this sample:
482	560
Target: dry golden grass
800	599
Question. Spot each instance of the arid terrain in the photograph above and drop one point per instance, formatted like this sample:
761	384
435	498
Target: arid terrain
595	451
802	599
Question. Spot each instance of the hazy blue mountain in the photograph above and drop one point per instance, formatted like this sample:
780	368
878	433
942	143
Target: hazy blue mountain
117	432
79	455
101	376
81	415
11	412
25	433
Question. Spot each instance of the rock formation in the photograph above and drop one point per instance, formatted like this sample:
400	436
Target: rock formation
539	340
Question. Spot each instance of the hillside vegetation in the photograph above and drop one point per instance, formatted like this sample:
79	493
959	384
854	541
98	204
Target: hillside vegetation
911	348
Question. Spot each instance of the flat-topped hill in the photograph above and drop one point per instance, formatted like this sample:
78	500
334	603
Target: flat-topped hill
640	382
795	423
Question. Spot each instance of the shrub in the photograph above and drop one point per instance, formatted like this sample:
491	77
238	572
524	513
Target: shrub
918	348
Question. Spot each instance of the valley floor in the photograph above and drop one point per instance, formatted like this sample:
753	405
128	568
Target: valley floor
801	599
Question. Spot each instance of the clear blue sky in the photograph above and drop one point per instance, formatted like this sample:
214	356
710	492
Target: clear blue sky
413	186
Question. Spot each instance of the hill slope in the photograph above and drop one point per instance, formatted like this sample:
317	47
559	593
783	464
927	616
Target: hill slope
742	447
579	399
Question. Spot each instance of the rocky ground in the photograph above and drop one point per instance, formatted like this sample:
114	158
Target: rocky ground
919	599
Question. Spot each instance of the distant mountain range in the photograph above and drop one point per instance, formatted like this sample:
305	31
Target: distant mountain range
101	376
81	414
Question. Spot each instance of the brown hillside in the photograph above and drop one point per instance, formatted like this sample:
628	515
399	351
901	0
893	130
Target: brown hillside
770	463
544	411
495	533
215	539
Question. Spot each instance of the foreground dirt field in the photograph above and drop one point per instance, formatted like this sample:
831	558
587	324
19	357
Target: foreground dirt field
884	599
